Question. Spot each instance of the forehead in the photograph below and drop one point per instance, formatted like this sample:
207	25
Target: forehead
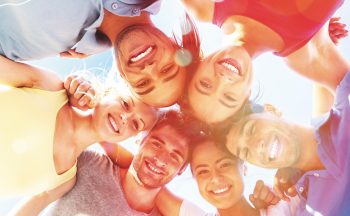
171	138
208	153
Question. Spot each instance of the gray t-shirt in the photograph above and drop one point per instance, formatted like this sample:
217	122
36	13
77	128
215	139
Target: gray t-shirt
97	192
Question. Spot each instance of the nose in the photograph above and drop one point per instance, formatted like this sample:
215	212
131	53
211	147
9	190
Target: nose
225	76
216	177
161	159
149	67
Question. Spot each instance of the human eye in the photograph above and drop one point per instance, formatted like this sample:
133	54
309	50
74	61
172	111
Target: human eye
226	164
205	84
156	145
167	69
249	128
202	172
175	157
142	83
230	97
136	125
125	104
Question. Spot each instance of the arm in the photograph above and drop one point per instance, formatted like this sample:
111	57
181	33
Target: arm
322	100
18	74
320	61
34	205
202	10
167	203
118	154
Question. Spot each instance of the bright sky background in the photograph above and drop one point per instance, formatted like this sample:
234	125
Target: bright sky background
278	85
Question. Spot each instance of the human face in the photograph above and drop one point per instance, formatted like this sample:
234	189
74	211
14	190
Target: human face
218	175
220	85
265	140
122	117
146	59
162	156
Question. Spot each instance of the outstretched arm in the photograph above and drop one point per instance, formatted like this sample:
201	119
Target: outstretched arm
320	61
34	205
18	74
167	203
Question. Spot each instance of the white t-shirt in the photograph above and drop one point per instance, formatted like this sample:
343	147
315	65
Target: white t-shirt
281	208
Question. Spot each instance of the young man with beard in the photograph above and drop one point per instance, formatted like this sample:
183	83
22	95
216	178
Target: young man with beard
321	151
105	188
145	55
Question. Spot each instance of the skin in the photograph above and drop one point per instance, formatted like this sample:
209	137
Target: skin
216	85
216	170
130	114
268	141
161	157
155	78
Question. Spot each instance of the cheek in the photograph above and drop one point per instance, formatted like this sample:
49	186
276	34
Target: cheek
201	183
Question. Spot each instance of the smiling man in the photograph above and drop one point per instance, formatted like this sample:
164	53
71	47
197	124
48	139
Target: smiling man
144	54
105	188
322	150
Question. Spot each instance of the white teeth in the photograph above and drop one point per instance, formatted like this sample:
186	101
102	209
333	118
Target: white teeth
154	169
230	67
221	190
274	149
141	55
113	123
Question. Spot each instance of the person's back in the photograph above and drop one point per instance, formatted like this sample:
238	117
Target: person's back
41	28
98	190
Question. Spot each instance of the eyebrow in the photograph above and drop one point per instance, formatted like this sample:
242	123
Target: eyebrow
146	91
173	75
199	90
223	158
162	142
226	104
200	166
158	139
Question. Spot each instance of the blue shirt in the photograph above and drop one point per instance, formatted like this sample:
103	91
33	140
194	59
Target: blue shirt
323	191
41	28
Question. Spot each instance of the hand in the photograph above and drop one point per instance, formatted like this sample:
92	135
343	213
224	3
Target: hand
71	53
80	92
336	30
284	182
263	196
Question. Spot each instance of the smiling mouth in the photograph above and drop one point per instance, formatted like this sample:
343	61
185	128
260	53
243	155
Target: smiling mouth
231	65
141	55
113	124
221	190
274	149
154	169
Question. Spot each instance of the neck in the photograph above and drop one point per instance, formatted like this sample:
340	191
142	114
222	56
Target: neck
309	158
138	196
112	24
241	208
75	129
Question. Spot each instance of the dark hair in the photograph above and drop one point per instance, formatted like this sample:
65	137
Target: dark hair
187	127
218	140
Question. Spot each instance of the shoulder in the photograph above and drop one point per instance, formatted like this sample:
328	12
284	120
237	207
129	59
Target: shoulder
282	208
188	208
202	10
90	158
